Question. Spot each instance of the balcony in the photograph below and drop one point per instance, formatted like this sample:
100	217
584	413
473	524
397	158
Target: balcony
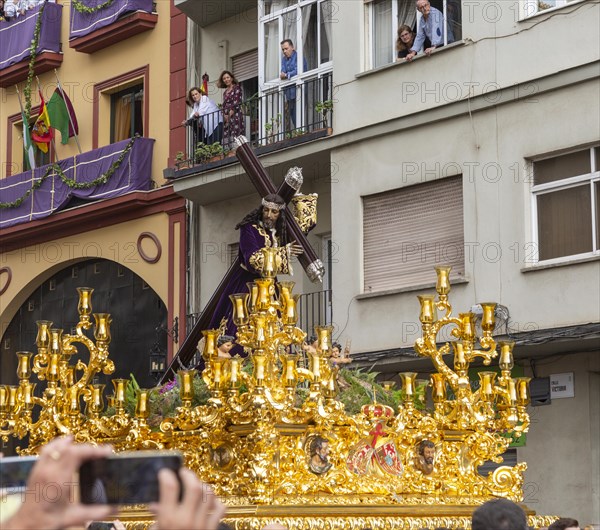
287	115
207	12
16	36
103	173
121	20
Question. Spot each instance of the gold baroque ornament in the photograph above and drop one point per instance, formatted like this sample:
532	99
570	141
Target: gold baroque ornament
272	438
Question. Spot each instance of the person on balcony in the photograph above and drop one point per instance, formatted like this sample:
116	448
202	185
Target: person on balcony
431	26
404	42
206	119
289	69
13	8
233	117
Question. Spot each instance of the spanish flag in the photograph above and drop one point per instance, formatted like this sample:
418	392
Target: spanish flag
41	133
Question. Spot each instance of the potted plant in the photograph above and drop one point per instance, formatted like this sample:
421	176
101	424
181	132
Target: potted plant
272	128
181	162
205	153
324	108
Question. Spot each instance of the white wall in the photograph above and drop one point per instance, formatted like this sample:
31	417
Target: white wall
496	213
562	450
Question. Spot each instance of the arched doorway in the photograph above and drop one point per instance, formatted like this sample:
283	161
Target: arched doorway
139	319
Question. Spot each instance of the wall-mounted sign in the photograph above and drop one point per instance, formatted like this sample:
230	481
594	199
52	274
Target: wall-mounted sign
562	385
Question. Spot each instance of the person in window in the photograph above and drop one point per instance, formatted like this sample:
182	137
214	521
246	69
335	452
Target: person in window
404	42
233	117
206	119
431	26
289	69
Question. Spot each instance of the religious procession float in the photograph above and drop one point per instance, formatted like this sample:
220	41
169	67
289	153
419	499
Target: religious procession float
278	433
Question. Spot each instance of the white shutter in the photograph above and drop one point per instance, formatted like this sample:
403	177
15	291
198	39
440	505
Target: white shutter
410	230
245	66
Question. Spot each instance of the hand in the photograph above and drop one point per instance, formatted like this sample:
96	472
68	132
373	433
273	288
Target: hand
429	51
55	472
296	249
200	508
184	122
283	75
410	56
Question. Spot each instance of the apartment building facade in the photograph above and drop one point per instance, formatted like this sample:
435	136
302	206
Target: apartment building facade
95	211
484	156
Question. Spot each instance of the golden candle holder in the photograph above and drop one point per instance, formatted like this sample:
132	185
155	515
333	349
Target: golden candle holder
255	437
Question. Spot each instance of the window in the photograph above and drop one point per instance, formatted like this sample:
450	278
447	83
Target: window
386	16
566	204
532	7
406	232
307	24
117	102
126	113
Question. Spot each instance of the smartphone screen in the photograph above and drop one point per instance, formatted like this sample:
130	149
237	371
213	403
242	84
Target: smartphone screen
125	478
14	471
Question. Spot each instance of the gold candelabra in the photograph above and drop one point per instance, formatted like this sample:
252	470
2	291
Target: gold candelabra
272	431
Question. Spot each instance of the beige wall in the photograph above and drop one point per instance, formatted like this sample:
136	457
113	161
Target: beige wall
33	265
79	73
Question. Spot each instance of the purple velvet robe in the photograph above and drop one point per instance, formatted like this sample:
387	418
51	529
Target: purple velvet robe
252	239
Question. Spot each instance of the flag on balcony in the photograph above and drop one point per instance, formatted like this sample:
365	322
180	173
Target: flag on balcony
27	145
41	133
62	116
205	80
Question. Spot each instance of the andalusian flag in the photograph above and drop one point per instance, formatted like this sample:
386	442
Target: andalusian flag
27	145
41	133
59	108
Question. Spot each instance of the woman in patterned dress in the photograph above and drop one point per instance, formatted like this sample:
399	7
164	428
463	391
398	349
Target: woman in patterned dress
233	117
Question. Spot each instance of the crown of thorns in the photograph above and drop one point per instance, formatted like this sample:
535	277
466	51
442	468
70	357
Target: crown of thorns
272	205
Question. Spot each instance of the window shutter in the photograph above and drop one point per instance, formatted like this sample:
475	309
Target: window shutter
410	230
245	66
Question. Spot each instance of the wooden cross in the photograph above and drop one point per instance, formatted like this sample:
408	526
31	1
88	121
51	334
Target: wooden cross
308	259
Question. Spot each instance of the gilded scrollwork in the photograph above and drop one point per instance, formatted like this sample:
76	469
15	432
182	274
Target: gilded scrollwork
261	446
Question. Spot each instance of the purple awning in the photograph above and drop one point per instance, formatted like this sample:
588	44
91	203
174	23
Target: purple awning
85	23
133	173
16	34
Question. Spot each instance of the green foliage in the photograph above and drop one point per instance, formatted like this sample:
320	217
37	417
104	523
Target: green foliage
361	390
163	404
205	152
31	68
357	388
273	124
82	8
324	108
71	183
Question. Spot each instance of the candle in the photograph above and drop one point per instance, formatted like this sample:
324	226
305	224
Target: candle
141	407
488	318
506	355
23	368
428	311
443	282
43	335
102	329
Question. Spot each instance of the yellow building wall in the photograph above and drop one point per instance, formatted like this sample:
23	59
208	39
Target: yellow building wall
32	265
79	73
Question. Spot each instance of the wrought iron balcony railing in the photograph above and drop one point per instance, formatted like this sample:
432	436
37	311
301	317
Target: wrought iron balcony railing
300	109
